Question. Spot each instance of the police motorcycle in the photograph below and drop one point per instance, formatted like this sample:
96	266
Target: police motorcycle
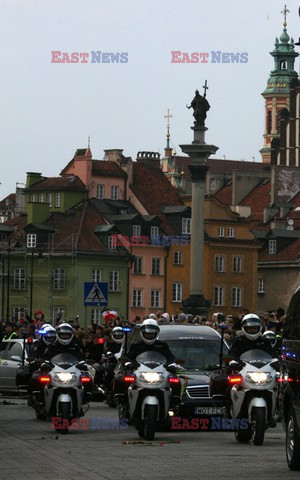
65	390
149	393
253	394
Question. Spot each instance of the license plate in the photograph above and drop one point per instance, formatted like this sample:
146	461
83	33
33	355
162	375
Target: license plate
208	410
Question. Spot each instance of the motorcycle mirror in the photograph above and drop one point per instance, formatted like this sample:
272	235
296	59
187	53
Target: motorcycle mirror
109	354
129	365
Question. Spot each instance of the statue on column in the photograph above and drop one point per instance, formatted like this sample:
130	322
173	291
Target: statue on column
200	106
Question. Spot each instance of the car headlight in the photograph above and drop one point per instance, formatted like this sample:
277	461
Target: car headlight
64	377
151	377
260	378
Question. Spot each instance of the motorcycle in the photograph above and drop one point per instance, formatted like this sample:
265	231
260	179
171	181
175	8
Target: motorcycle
149	393
64	391
253	395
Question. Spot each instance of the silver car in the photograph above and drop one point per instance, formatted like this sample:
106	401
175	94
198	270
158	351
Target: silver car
11	355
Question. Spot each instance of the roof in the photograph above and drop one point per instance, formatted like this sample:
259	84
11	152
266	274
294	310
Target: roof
258	199
288	254
107	168
107	206
224	195
175	209
154	191
104	228
67	182
283	232
221	166
125	217
7	201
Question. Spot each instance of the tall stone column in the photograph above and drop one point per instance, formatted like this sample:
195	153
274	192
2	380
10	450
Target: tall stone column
199	152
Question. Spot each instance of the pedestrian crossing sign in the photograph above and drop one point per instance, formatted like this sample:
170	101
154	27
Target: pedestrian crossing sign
95	294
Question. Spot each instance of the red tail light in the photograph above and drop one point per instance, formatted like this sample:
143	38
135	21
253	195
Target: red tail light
45	379
30	340
280	379
129	378
174	380
101	340
85	379
235	379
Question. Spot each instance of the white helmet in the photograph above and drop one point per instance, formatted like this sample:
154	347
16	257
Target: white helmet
65	334
251	326
149	331
49	335
117	334
153	316
271	337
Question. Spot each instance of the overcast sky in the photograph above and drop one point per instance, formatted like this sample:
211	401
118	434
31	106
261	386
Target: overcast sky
48	110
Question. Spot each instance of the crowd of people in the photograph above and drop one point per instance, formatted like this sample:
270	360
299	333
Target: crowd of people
94	339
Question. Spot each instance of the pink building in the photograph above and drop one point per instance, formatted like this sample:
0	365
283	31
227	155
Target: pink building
143	187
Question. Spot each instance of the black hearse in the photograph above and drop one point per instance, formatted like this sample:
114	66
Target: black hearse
290	382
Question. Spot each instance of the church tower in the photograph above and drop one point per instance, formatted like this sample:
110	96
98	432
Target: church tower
277	93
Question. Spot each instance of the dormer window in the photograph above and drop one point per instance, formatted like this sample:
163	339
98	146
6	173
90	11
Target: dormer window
283	65
272	247
31	240
186	226
114	192
136	230
154	232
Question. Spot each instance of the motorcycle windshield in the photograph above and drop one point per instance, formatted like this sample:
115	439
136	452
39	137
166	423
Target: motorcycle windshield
64	360
256	356
151	359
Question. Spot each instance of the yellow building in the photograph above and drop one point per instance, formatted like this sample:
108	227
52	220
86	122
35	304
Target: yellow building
230	263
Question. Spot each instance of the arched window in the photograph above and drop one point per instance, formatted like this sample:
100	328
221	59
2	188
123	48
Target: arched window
269	122
283	65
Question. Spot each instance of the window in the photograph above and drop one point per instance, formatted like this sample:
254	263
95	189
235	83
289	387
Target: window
230	232
137	297
154	232
112	242
177	292
114	192
186	226
114	281
100	191
31	240
261	285
178	257
219	296
57	200
41	198
58	313
49	199
221	232
237	264
96	315
136	230
18	313
138	265
219	263
19	278
272	247
32	197
59	279
14	349
283	65
155	266
96	275
236	297
269	122
155	298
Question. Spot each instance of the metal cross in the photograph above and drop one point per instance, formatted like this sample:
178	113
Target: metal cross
205	88
284	12
168	116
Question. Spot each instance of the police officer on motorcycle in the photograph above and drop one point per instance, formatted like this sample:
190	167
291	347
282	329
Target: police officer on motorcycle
251	338
149	333
65	343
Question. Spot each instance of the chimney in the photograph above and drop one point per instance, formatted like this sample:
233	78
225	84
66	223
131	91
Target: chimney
113	154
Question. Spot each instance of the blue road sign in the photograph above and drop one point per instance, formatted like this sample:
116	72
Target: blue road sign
95	294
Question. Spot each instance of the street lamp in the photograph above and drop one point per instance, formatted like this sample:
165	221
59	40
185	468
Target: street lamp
31	284
8	279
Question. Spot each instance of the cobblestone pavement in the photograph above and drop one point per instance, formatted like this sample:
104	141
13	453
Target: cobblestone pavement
29	449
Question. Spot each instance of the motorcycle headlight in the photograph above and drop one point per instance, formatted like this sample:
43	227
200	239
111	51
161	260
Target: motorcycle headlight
151	377
260	378
64	377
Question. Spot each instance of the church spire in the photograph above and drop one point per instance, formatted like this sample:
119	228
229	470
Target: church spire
277	92
168	149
